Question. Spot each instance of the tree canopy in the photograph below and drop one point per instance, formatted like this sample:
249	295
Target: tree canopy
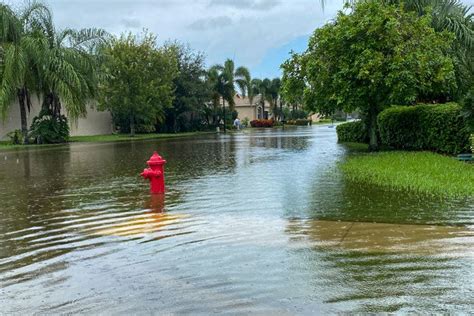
376	56
138	82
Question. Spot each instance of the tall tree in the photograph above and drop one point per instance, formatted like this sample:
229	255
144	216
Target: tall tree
138	85
21	57
215	85
244	82
255	86
376	56
293	80
446	15
269	91
190	88
227	78
274	96
70	73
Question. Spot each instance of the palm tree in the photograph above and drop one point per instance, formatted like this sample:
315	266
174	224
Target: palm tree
274	95
71	60
254	90
244	82
215	82
226	77
21	55
263	88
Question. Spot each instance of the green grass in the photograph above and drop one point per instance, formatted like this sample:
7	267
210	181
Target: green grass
5	145
323	121
421	172
126	137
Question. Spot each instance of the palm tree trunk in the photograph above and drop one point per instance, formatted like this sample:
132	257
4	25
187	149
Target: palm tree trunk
23	118
174	123
215	105
56	106
223	111
281	111
132	126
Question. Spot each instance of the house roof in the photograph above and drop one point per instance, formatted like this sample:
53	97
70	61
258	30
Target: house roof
239	100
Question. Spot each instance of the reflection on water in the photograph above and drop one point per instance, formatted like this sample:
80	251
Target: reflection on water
146	223
381	237
259	221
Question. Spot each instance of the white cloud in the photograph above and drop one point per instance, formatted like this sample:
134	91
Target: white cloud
242	29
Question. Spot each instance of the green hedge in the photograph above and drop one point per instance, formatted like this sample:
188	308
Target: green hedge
353	132
299	122
441	128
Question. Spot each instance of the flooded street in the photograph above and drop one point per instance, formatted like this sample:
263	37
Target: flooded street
260	221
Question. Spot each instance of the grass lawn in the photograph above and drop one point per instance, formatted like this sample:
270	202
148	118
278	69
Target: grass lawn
323	121
5	145
422	172
125	137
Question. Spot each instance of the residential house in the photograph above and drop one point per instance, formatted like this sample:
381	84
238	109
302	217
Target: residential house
253	110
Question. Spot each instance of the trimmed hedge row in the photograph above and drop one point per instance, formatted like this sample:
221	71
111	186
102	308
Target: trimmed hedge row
352	132
440	128
261	123
299	122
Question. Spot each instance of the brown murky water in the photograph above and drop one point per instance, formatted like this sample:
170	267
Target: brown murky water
260	221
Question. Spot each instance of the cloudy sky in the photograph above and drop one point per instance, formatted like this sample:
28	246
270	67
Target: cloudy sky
256	33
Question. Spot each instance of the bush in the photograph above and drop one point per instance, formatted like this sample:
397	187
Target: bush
262	123
352	132
339	116
48	129
299	122
298	114
16	137
440	128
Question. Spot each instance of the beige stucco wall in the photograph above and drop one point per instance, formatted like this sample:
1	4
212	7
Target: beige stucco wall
96	123
12	120
247	112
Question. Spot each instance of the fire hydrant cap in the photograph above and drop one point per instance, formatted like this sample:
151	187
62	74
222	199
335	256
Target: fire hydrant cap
156	159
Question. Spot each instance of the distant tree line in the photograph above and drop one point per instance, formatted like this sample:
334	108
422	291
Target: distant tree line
145	86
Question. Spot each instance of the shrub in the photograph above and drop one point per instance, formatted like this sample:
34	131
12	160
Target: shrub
299	122
49	129
298	114
16	137
339	116
352	132
440	128
261	123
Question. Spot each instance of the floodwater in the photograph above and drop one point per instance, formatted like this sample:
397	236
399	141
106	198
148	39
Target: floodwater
260	221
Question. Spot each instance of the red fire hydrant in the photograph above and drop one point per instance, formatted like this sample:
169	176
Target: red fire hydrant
156	173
